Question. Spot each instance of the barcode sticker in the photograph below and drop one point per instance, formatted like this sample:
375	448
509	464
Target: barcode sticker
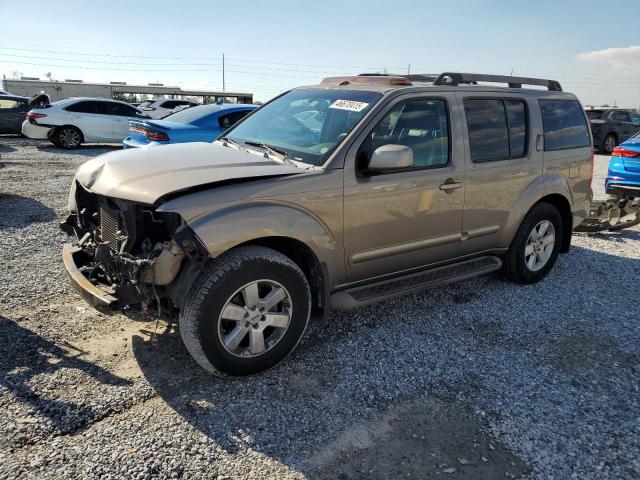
349	105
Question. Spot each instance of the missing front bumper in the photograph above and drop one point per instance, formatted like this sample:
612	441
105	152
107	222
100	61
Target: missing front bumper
99	298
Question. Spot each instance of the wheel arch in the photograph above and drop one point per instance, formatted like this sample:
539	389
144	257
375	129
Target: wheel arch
303	256
552	189
57	129
562	204
288	229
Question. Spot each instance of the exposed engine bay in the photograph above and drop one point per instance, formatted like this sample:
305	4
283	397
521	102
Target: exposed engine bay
130	250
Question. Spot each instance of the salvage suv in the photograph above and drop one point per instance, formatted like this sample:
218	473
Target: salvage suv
332	197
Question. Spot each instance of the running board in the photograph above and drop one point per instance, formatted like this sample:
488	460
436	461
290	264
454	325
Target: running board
375	292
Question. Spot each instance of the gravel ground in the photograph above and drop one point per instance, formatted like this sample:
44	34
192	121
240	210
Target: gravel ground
479	380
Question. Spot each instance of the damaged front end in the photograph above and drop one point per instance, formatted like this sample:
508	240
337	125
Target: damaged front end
127	253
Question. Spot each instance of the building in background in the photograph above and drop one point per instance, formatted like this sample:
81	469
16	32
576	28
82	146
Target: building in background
59	90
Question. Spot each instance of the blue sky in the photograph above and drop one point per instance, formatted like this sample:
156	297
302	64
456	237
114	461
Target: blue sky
273	45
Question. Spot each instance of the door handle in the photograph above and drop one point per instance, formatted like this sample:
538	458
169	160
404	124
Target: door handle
450	184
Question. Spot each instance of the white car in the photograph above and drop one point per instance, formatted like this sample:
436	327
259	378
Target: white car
161	107
69	123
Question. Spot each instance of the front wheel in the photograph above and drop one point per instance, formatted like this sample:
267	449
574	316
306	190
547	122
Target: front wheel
246	311
536	246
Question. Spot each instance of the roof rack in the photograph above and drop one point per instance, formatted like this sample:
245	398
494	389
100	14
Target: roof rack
453	78
373	78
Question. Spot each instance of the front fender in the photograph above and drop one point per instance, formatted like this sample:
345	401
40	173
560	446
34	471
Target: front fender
233	225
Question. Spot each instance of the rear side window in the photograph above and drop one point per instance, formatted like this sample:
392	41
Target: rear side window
620	116
8	104
564	125
497	129
89	106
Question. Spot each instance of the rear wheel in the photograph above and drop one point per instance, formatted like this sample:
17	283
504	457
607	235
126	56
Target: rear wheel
536	246
609	143
68	137
246	312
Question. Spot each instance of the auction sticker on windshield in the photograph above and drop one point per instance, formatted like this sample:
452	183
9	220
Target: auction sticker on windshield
350	105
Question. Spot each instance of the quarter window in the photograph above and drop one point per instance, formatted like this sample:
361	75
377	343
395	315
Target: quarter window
564	125
497	129
419	124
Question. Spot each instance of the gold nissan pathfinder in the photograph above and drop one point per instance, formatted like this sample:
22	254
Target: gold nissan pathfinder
330	197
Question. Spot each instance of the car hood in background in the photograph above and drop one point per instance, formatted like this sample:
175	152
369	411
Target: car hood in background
147	175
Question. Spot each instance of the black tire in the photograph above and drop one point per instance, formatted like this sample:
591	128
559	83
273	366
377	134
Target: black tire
67	137
514	265
610	141
200	319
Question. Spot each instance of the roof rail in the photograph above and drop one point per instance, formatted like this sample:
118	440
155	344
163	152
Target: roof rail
452	78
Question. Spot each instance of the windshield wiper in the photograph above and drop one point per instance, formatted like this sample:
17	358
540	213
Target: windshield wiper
275	151
230	140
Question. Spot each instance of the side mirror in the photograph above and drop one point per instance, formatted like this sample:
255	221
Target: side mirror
391	157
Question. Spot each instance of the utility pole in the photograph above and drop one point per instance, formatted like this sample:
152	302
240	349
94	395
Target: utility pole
409	70
223	85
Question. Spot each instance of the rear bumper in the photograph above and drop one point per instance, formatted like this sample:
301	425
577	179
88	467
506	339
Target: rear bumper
95	296
35	131
621	179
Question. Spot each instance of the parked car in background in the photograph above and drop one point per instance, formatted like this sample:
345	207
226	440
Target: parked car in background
74	121
381	188
611	126
161	107
14	109
623	177
203	123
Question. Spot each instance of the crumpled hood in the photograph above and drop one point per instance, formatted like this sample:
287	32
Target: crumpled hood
145	175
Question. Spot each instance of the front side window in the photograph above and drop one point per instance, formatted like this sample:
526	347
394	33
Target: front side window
279	123
635	118
564	125
121	110
419	124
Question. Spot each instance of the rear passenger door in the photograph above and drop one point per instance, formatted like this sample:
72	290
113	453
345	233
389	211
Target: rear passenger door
92	117
501	164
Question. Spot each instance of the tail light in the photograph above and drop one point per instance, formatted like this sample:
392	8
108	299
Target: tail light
34	116
597	120
593	160
624	152
150	134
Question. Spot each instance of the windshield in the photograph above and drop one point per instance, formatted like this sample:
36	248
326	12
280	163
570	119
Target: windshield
306	124
594	114
192	114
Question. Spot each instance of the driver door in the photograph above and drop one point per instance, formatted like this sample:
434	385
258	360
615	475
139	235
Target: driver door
412	217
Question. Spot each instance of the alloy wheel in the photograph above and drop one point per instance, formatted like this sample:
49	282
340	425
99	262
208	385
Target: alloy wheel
540	245
69	138
255	318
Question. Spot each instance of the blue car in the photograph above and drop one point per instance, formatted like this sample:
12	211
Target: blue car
623	178
204	123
